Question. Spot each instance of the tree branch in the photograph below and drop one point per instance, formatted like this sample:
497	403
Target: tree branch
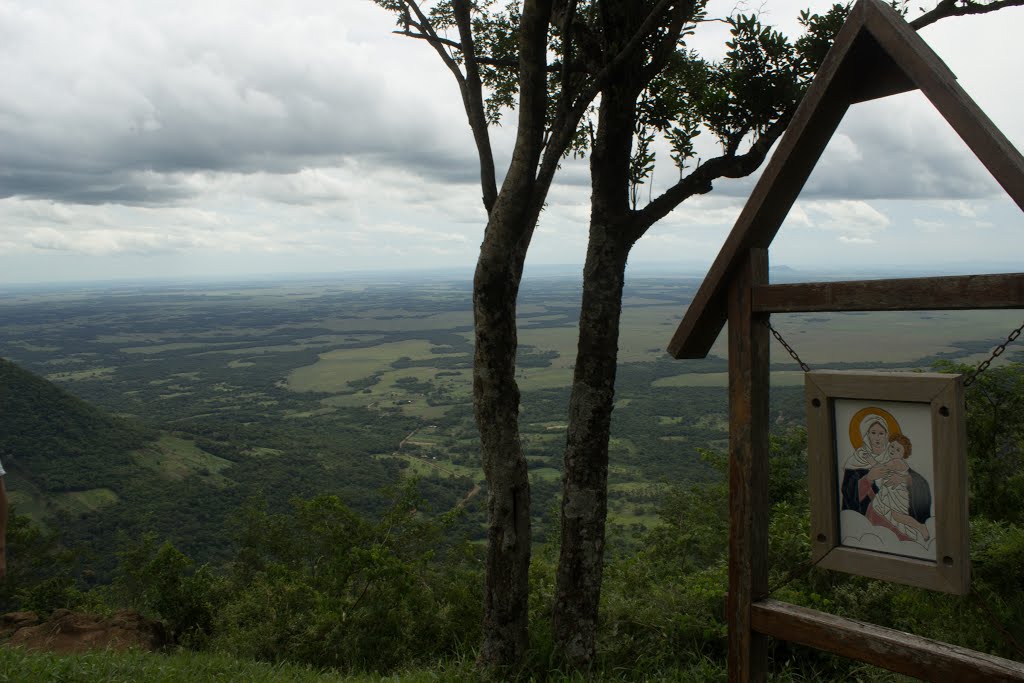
665	48
960	8
509	63
470	85
699	181
473	98
565	123
648	25
436	42
566	11
730	165
423	36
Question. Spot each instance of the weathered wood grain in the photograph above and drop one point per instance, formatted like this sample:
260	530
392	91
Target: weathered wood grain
821	470
966	292
949	436
897	651
748	471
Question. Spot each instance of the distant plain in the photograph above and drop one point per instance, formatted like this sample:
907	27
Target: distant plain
343	354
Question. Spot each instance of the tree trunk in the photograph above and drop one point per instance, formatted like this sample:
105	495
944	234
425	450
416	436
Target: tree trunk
510	227
499	271
496	404
585	479
585	476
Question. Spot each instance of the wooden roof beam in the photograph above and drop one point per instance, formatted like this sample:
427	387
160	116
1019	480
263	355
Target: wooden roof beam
876	53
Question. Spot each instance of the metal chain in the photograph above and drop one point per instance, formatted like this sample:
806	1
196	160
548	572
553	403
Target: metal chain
983	365
775	333
802	569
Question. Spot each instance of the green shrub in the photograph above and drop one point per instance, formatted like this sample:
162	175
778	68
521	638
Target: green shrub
323	586
40	573
162	582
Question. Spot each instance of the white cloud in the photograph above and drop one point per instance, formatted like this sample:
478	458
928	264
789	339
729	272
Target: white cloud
931	227
220	133
961	208
856	222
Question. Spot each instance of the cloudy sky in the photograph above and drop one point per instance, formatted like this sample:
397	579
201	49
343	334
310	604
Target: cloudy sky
231	138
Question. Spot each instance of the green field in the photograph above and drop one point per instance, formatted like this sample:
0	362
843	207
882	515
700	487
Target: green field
242	378
175	459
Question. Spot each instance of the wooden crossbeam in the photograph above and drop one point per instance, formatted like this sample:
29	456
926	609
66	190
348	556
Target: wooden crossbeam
906	294
904	653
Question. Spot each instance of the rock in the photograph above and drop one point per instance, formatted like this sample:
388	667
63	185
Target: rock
12	621
69	632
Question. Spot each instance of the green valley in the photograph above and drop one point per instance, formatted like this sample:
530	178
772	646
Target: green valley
260	430
217	392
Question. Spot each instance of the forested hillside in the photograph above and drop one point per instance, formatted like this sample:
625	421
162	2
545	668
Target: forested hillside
292	474
96	476
57	441
62	454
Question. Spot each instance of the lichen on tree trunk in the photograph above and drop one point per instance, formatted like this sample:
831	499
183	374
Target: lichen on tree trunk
496	404
585	479
585	476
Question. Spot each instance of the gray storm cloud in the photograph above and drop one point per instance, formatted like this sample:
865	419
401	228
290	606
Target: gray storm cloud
103	108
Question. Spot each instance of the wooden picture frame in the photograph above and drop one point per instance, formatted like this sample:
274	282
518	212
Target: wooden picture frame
888	476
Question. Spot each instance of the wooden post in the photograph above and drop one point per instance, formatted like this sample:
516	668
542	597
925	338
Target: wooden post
748	469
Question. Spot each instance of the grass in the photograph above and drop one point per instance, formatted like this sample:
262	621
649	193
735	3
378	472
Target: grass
29	346
721	379
86	501
419	466
176	458
176	346
91	373
638	486
336	369
262	452
546	473
27	499
388	393
885	336
628	517
21	666
532	379
384	322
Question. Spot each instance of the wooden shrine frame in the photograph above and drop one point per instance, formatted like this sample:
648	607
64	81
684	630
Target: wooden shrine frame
874	55
944	397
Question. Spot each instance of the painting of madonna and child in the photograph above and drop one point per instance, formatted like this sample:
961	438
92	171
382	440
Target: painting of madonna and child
886	475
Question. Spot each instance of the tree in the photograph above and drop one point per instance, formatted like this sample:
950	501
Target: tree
995	440
751	94
552	100
633	53
746	101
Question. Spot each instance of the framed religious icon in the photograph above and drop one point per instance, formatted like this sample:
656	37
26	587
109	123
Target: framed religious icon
888	476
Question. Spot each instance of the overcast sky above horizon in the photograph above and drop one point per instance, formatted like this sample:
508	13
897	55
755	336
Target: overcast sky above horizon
228	138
